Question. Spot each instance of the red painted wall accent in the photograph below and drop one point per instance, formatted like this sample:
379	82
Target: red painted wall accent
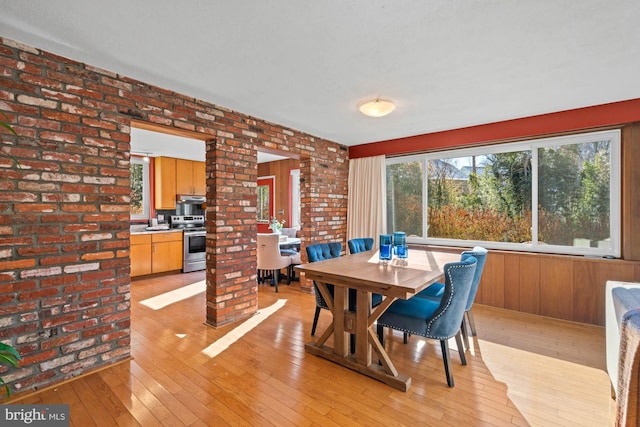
616	113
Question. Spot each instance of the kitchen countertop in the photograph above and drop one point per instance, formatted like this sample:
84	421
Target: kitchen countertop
142	229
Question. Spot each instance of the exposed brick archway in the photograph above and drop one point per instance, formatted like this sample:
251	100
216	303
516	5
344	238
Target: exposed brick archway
65	267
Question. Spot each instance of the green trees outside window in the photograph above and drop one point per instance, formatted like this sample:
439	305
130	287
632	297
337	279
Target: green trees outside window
263	203
139	177
555	193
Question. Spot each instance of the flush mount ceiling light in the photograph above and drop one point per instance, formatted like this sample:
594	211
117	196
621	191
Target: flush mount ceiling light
377	108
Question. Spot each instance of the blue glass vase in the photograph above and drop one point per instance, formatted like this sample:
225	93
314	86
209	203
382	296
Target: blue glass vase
386	245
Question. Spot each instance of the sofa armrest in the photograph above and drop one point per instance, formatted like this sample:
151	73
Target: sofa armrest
612	324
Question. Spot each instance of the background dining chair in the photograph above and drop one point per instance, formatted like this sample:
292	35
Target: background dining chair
433	319
360	244
270	260
319	252
289	232
291	250
436	290
363	244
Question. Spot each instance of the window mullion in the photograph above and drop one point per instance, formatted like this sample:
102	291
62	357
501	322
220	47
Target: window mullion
425	198
534	196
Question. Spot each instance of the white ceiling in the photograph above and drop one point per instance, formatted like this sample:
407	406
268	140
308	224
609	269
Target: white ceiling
308	64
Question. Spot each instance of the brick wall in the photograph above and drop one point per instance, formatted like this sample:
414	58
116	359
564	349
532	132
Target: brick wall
64	194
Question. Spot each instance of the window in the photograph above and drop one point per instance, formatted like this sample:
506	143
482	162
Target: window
263	203
556	195
139	172
266	202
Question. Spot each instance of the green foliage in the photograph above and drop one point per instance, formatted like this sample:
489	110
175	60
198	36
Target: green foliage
137	191
8	356
9	128
485	224
593	204
509	182
263	202
494	202
404	187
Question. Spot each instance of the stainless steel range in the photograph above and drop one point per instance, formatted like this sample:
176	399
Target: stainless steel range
194	241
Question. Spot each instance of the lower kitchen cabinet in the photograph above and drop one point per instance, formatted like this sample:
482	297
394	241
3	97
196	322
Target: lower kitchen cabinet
166	252
140	253
155	253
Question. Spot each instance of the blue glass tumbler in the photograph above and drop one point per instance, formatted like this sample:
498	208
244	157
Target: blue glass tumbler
385	252
399	239
402	251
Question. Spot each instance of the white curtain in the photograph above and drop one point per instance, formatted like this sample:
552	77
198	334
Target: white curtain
366	207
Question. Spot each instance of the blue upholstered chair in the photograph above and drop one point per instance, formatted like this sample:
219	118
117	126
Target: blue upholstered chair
363	244
319	252
433	319
437	289
360	244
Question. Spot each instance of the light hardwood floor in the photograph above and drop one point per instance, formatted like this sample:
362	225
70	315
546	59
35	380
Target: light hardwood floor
522	370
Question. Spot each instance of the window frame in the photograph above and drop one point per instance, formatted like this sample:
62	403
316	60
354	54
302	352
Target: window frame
146	191
614	138
295	211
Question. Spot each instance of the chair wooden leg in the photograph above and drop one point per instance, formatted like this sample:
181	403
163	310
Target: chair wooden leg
381	334
276	278
471	322
445	358
465	334
405	337
315	321
463	358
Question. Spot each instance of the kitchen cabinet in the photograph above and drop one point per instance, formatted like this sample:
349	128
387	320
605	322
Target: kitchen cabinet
140	253
190	178
200	178
166	252
165	182
155	253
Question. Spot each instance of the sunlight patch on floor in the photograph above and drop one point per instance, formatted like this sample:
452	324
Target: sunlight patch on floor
581	392
163	300
238	332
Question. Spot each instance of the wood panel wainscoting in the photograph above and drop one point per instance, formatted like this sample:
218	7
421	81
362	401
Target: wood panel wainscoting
523	369
559	286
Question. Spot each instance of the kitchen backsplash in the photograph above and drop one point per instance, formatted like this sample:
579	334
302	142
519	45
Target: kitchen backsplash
164	213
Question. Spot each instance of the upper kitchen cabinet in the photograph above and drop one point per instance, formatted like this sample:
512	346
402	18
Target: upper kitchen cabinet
190	178
200	178
165	183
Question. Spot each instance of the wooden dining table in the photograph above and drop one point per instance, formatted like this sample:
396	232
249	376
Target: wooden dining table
364	273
